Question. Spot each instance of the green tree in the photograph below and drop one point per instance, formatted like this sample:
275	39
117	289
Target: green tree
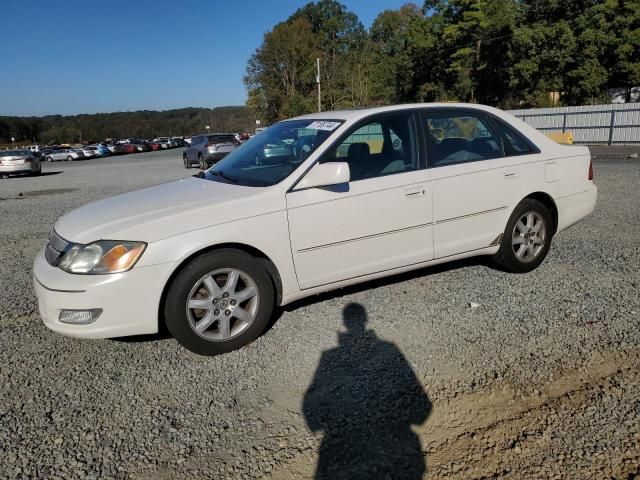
391	40
339	42
477	37
541	55
280	74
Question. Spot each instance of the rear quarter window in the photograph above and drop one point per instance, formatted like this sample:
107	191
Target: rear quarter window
515	143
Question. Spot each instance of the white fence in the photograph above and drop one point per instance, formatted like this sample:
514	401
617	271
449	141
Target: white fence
613	124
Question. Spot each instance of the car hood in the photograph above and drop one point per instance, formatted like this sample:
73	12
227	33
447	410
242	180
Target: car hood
166	210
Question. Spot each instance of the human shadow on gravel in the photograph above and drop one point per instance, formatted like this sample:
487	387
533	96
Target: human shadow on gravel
365	397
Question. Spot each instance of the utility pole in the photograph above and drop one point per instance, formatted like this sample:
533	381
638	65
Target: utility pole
318	82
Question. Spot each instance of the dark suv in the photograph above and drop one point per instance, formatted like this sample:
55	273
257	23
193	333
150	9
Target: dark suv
208	149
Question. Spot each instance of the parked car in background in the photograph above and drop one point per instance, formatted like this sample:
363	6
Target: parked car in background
155	146
65	154
141	145
103	149
19	161
164	143
91	151
207	149
363	194
46	151
177	142
129	148
115	148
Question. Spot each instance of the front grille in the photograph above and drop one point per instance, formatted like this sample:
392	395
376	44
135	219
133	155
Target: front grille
56	247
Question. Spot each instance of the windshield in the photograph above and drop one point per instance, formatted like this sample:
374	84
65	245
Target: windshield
271	156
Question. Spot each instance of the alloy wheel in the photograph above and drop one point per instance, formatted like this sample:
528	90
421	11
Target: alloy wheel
222	304
528	237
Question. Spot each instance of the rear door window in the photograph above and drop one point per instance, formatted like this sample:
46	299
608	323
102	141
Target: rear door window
460	137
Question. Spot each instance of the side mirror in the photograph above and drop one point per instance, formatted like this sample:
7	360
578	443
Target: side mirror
326	175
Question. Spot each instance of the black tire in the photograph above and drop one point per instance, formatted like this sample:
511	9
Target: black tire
202	163
175	310
506	257
186	162
69	158
49	159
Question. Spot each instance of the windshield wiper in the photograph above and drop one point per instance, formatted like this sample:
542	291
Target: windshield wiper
223	175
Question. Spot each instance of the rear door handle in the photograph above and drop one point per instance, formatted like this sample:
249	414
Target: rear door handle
510	174
415	192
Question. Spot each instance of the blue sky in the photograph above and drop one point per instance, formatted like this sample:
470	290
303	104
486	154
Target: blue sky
73	56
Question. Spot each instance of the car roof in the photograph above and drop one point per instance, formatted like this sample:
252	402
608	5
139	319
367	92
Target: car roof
359	113
355	115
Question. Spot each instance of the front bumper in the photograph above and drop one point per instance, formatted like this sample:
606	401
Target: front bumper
216	156
129	300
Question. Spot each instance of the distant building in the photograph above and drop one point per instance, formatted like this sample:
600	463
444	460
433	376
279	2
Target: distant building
624	95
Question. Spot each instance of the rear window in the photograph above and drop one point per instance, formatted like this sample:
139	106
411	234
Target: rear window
11	153
222	139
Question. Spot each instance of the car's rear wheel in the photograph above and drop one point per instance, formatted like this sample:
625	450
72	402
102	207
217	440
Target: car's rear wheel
49	159
186	162
202	163
527	237
69	158
219	302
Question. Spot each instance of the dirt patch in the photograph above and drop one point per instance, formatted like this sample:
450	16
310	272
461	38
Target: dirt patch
501	434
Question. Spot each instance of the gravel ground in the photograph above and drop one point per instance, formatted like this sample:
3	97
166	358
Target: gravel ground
539	379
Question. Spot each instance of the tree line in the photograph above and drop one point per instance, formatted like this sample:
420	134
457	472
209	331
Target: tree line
506	53
146	124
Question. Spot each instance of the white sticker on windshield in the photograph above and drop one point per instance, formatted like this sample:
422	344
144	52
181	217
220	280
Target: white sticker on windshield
323	125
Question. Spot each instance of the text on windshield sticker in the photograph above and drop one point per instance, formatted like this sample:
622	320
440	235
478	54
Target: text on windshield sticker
323	125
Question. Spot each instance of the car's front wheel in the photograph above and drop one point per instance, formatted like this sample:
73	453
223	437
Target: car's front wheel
49	159
69	158
186	162
527	238
220	301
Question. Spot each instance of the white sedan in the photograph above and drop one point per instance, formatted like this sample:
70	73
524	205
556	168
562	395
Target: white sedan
67	154
311	204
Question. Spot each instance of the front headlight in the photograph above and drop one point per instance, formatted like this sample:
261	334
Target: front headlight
104	256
